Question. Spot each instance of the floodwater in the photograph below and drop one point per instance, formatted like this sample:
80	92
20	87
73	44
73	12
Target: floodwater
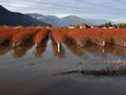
28	70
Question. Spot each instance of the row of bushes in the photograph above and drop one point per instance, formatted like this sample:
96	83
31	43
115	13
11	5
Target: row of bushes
97	36
84	37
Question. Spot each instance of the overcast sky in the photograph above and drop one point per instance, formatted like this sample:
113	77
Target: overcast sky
108	9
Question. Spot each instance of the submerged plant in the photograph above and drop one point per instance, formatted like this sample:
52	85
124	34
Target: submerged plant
102	72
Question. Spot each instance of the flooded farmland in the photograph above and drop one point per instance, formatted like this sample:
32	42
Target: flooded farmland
62	47
31	70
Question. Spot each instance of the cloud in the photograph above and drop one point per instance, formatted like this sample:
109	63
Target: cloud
84	8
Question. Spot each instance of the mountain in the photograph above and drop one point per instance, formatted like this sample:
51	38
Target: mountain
71	20
53	20
13	18
75	20
66	21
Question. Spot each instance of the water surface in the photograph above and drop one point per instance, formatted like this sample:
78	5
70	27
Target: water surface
28	70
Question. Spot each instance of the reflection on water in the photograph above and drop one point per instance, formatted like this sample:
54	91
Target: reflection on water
60	54
78	51
115	50
21	51
91	58
93	52
41	49
4	50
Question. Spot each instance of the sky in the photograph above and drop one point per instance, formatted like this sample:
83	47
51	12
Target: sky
101	9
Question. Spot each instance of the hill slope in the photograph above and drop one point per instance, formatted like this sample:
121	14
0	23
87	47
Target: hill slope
12	18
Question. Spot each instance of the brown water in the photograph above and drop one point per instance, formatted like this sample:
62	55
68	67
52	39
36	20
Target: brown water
28	70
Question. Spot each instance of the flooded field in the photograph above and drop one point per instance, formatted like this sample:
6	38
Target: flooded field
31	70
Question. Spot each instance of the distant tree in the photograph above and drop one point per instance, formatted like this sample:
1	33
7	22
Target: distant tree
122	25
107	24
